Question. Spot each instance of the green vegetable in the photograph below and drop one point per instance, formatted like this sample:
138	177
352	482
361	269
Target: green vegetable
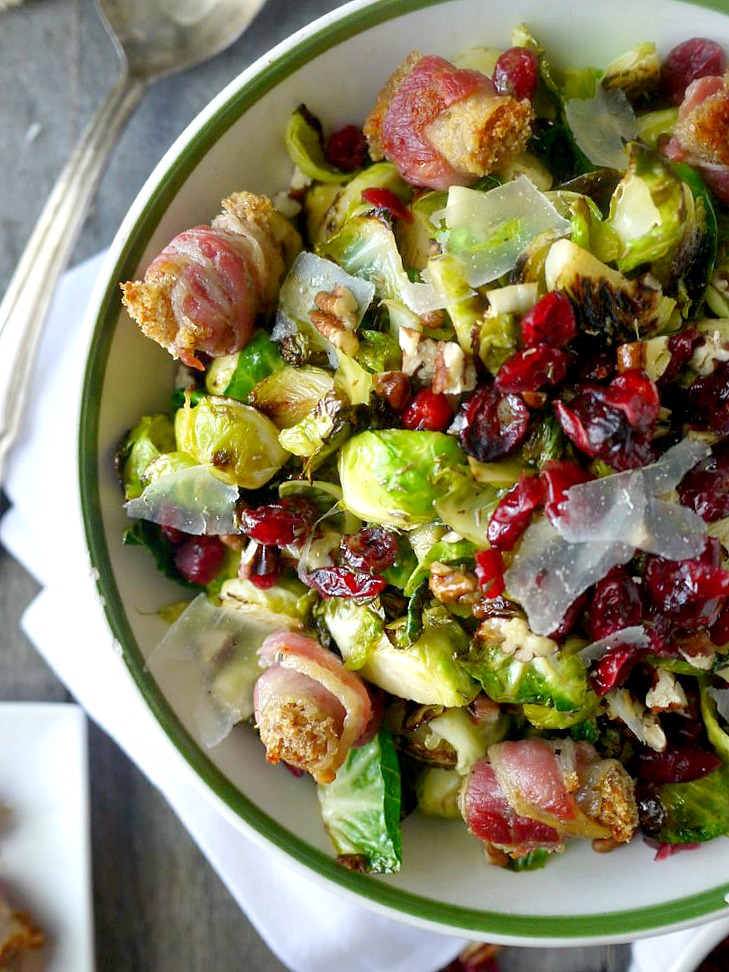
637	72
557	680
465	505
321	432
290	394
378	351
687	813
437	790
464	307
152	435
442	552
236	375
288	596
239	442
389	476
304	143
361	808
328	211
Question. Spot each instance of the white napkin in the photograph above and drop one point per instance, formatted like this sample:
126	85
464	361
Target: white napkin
306	926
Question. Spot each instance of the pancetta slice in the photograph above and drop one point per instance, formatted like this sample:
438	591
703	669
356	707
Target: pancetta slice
204	291
444	126
701	133
310	710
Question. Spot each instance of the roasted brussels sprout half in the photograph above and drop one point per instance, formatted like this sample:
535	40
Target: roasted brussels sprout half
150	437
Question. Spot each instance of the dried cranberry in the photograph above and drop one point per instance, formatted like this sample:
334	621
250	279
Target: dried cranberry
384	199
635	395
265	570
372	549
516	73
532	369
705	489
698	57
551	321
680	346
490	424
676	764
513	512
708	400
347	148
690	592
602	432
719	632
614	667
172	534
614	604
278	524
490	572
570	618
557	477
341	582
427	411
199	559
594	365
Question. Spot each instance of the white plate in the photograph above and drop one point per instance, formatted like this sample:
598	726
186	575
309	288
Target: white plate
45	860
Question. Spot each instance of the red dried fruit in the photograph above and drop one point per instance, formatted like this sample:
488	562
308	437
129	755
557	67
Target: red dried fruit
427	411
614	604
372	549
698	57
491	425
513	512
557	476
384	199
680	346
265	570
635	395
570	619
614	667
199	559
341	582
708	400
279	524
690	592
490	572
719	632
551	321
676	764
603	432
516	73
532	369
705	489
347	148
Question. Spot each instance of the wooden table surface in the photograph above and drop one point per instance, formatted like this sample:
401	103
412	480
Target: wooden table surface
158	904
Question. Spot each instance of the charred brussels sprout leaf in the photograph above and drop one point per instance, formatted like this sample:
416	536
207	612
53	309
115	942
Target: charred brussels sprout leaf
150	437
361	808
321	433
289	395
305	145
687	813
636	72
328	211
236	375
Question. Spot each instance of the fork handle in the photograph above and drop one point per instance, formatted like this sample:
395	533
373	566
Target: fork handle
27	300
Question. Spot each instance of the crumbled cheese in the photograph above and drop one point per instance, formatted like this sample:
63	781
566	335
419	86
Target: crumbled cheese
643	724
514	637
713	351
667	695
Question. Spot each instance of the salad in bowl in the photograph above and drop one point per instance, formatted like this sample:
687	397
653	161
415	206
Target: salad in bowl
441	481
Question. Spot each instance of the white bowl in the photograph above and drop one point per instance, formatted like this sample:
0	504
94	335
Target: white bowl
336	67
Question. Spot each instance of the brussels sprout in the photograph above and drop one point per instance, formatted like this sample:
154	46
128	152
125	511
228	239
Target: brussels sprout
237	441
608	305
222	645
464	307
290	394
288	596
718	737
361	808
388	476
416	237
304	143
442	552
686	813
498	339
378	351
352	380
516	666
322	431
692	265
648	209
191	499
469	738
501	474
437	791
236	375
547	717
546	441
328	212
427	671
653	124
152	435
465	505
636	72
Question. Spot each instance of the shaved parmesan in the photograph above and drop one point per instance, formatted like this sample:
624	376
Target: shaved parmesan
643	724
548	573
487	231
601	125
624	503
636	635
189	499
721	697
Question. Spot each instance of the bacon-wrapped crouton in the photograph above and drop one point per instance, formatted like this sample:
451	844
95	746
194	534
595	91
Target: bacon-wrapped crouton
207	286
18	934
309	709
443	126
701	133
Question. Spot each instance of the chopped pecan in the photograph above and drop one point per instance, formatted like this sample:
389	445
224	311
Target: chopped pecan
451	585
455	371
336	318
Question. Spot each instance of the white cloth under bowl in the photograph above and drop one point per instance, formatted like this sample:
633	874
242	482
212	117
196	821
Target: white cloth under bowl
308	927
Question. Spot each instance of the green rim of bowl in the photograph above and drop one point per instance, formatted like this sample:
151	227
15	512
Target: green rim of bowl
614	925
